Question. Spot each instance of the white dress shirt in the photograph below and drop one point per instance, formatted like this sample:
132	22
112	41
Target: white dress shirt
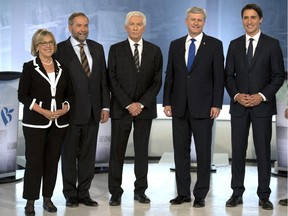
197	43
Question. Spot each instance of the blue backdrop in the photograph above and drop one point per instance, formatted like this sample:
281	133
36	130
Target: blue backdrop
165	22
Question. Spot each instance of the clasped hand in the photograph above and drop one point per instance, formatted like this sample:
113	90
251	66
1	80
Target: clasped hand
135	109
248	100
56	114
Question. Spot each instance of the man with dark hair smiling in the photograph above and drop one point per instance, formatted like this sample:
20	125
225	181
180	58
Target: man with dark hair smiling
254	73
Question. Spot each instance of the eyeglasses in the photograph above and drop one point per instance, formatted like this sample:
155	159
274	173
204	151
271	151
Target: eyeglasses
46	43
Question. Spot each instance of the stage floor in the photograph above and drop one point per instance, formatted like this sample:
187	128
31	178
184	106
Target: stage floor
161	189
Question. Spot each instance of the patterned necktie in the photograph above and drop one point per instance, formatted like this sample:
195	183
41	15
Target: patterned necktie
191	54
136	58
84	60
250	51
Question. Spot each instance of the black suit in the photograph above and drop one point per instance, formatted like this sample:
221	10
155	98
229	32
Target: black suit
265	75
43	137
91	95
191	95
128	86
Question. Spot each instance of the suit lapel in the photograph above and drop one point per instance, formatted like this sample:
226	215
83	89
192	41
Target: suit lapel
201	50
181	53
258	50
242	50
145	53
94	56
70	51
143	57
73	58
127	51
40	69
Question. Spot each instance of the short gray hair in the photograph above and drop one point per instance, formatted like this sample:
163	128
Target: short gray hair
135	13
196	10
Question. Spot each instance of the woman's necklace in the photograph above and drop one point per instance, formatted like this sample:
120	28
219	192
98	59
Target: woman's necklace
47	63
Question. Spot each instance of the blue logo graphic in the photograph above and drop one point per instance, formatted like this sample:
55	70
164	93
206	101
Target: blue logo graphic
6	115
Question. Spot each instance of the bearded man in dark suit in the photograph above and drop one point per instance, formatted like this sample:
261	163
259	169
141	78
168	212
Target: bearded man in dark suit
90	106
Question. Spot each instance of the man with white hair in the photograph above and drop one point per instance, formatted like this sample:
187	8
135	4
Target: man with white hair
135	77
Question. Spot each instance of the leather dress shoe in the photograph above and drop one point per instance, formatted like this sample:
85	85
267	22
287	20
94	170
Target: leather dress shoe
180	199
266	204
87	201
234	201
29	210
283	202
199	203
115	200
49	206
72	202
142	198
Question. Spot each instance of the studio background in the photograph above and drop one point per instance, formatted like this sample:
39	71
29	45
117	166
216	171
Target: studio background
19	19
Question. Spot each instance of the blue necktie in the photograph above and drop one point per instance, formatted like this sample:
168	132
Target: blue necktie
191	54
250	51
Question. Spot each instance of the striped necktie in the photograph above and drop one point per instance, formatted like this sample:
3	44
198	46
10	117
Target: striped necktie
84	60
136	58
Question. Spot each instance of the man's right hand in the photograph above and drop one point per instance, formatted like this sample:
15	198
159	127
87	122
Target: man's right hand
168	111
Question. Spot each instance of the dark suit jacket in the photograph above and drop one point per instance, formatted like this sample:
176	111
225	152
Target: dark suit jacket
35	87
202	87
265	75
127	86
91	95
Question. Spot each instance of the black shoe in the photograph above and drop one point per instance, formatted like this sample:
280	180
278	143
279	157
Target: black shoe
199	203
180	199
72	202
142	198
49	206
87	201
115	200
283	202
266	204
29	210
234	201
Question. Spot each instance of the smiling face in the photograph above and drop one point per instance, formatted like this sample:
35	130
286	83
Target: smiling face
251	22
135	28
195	23
46	47
79	28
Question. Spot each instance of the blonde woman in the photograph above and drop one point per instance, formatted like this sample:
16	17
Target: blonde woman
46	93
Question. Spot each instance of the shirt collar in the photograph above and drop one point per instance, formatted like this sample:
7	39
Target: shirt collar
255	37
198	38
131	42
74	42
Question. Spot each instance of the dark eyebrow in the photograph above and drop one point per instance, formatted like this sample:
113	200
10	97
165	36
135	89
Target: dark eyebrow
245	17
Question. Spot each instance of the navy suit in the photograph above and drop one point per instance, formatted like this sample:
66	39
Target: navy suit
91	95
265	75
191	95
128	86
